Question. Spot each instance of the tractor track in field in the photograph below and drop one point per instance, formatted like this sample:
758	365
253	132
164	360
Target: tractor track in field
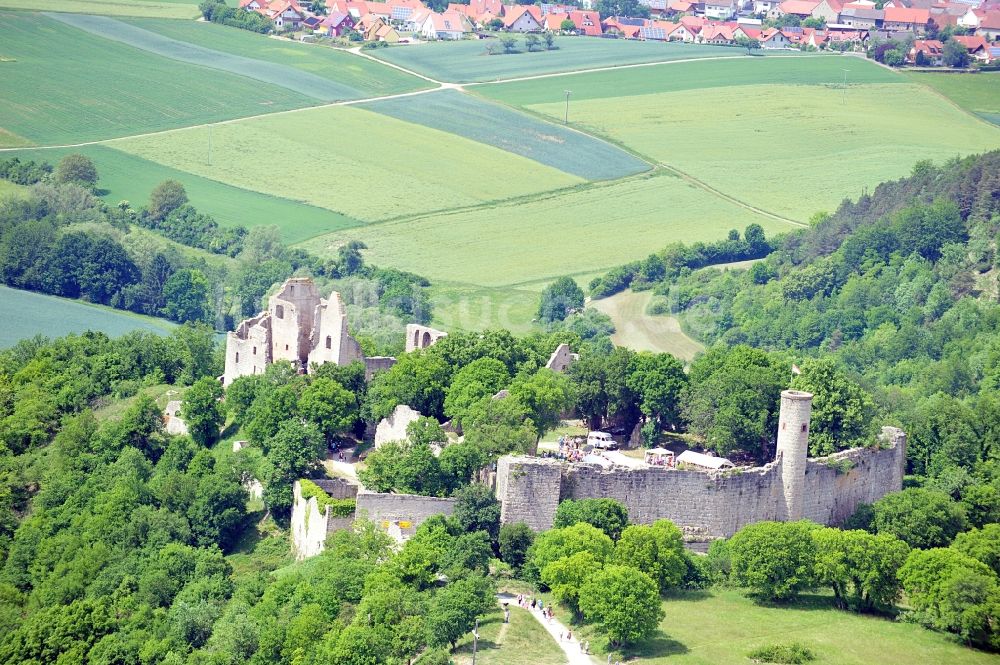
460	87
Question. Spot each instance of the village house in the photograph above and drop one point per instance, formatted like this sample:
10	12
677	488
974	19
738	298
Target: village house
862	17
801	8
773	38
828	10
285	15
449	25
977	46
767	8
926	52
905	19
522	18
989	25
720	10
336	24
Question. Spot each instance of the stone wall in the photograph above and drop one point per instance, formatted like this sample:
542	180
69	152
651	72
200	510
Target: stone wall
393	427
248	348
420	337
561	358
308	526
399	515
330	341
377	364
292	310
704	504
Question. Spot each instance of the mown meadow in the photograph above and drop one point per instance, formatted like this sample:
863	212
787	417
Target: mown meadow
977	93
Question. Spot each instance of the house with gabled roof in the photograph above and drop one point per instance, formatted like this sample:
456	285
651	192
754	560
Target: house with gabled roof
335	24
905	19
929	51
253	5
720	10
828	10
447	25
773	38
976	45
800	8
522	18
862	18
989	25
284	14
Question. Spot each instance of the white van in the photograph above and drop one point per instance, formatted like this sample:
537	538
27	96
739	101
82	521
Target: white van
601	440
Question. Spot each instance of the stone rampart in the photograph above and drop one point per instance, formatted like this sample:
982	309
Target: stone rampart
705	505
399	515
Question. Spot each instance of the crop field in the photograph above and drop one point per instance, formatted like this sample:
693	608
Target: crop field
356	162
173	9
795	150
363	77
320	88
130	178
674	77
467	61
39	314
111	89
513	131
581	230
637	330
721	626
977	93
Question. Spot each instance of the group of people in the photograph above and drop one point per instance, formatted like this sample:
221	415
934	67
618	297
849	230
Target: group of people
528	602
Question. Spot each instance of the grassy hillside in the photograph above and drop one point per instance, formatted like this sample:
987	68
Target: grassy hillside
548	143
977	93
365	77
131	178
111	89
356	162
576	231
173	9
30	314
327	88
467	60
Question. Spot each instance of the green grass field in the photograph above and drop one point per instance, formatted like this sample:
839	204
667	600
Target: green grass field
365	77
9	189
111	89
356	162
466	61
549	143
299	81
52	317
800	149
523	640
799	70
583	230
721	626
469	307
638	330
130	178
172	9
977	93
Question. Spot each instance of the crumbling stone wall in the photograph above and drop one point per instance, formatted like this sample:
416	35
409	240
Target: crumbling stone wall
308	525
330	341
708	504
420	337
399	515
393	427
561	358
248	348
292	311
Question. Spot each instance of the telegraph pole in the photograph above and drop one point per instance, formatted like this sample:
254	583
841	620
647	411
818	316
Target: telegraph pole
845	85
566	117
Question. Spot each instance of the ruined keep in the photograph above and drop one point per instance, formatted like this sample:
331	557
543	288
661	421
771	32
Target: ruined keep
297	326
715	504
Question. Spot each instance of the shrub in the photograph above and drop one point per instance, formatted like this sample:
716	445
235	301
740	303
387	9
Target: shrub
338	507
787	654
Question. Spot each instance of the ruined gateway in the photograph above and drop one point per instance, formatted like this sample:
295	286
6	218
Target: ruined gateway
710	505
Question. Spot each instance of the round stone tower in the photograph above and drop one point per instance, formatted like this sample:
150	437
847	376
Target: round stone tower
793	447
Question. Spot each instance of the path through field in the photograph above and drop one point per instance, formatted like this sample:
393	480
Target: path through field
637	330
556	629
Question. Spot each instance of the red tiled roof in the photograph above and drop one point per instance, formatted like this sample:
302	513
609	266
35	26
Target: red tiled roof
906	15
587	22
514	12
798	7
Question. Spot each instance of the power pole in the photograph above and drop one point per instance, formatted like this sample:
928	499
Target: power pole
845	85
475	642
566	117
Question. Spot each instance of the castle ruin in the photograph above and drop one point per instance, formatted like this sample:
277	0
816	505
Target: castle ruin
420	337
297	326
715	504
